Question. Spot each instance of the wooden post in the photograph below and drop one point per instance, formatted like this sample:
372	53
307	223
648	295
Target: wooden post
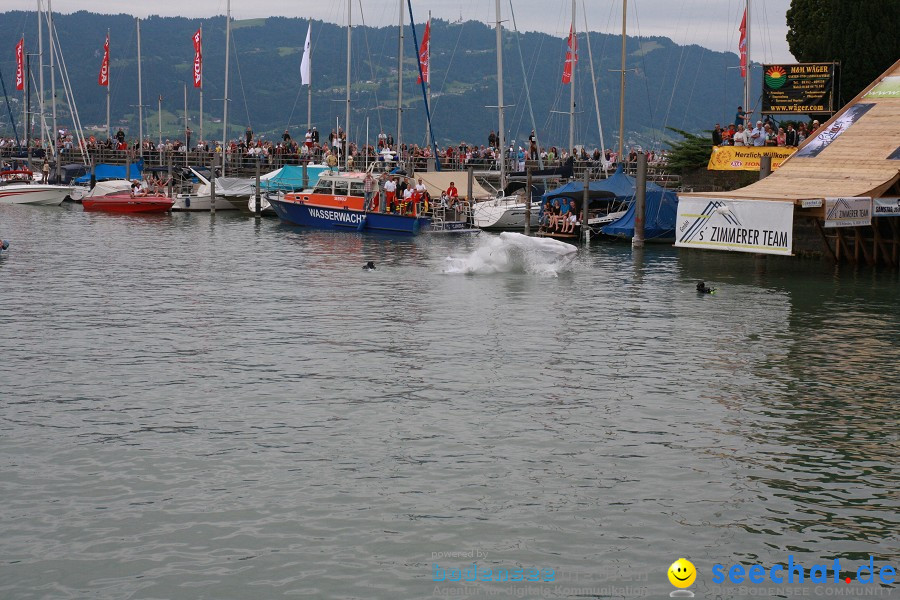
305	181
93	174
212	183
470	191
585	196
258	207
640	201
169	181
765	166
528	202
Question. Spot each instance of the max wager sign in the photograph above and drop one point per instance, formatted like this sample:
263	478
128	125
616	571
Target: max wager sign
799	88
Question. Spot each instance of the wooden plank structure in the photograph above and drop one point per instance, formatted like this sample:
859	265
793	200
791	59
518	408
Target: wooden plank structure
856	163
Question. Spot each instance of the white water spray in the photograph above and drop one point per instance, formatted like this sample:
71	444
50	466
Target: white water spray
514	253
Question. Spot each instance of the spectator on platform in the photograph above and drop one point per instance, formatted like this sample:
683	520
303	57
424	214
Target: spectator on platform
717	135
728	136
790	136
758	135
739	138
781	138
740	118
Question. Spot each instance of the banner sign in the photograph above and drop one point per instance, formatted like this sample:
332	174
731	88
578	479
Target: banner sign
887	207
103	77
888	87
802	88
20	65
831	133
848	212
756	226
746	158
198	58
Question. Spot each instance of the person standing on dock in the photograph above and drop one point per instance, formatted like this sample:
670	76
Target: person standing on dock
249	135
369	189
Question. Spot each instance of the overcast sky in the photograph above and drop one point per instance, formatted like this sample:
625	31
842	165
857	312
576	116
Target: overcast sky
709	23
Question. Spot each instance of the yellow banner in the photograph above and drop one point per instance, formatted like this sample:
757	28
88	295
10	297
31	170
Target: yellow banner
746	158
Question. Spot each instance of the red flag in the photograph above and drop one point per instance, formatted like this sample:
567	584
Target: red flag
20	65
424	53
103	78
198	58
571	56
742	45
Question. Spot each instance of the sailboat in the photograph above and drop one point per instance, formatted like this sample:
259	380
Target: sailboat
19	186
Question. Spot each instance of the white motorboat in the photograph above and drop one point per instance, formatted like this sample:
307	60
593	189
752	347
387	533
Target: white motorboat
16	187
506	213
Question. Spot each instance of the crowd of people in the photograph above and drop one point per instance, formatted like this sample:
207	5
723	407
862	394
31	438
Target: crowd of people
559	216
765	133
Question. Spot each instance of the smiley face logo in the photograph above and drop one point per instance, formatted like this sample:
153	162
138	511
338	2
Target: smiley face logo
682	573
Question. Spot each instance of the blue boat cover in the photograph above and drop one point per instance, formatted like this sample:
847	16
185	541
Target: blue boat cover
661	209
290	178
105	172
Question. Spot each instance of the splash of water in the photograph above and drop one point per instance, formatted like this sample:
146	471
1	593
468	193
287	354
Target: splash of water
514	253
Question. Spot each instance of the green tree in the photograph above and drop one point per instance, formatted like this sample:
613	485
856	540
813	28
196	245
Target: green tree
862	36
691	152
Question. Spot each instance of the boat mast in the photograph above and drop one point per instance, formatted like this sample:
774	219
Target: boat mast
428	79
347	118
572	85
501	141
747	78
26	97
52	72
140	95
40	10
108	86
185	119
309	87
225	99
400	84
200	126
620	156
537	141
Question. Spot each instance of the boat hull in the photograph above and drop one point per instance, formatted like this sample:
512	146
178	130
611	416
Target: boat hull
200	204
127	204
344	219
34	194
503	215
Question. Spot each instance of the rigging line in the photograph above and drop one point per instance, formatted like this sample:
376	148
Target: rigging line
676	77
362	19
241	79
667	70
527	89
703	52
435	101
12	121
646	83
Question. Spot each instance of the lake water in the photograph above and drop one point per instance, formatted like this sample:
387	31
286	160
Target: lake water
225	408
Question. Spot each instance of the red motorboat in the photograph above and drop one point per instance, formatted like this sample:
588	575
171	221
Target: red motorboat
126	203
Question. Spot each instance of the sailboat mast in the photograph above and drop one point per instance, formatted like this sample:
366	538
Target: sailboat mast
140	95
40	10
185	120
572	86
108	86
200	126
400	83
587	38
347	117
428	79
309	87
225	100
622	86
52	73
501	140
747	78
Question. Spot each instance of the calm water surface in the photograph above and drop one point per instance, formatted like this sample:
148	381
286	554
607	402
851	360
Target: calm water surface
215	407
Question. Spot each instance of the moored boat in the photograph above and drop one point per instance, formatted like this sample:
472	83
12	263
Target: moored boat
338	202
126	203
16	187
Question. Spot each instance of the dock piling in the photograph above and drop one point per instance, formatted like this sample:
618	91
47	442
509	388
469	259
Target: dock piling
585	196
765	166
258	206
212	184
640	200
528	202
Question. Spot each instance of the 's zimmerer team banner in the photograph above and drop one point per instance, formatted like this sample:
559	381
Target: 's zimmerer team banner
746	158
756	226
802	88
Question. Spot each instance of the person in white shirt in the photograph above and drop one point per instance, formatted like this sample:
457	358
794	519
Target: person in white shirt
390	193
758	135
738	138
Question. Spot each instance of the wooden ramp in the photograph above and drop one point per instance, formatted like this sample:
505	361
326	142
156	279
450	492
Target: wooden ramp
854	163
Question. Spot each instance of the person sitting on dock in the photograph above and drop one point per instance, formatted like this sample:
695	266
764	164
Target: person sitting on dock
569	221
555	212
563	215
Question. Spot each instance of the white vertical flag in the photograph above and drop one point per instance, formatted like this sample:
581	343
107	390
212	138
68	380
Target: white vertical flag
304	64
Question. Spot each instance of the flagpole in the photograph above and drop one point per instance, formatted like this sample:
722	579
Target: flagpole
400	84
501	139
225	108
428	78
40	10
200	132
572	49
159	116
185	120
747	78
25	87
108	85
309	85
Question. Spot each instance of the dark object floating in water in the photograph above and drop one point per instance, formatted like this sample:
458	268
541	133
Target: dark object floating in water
369	266
702	289
4	244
